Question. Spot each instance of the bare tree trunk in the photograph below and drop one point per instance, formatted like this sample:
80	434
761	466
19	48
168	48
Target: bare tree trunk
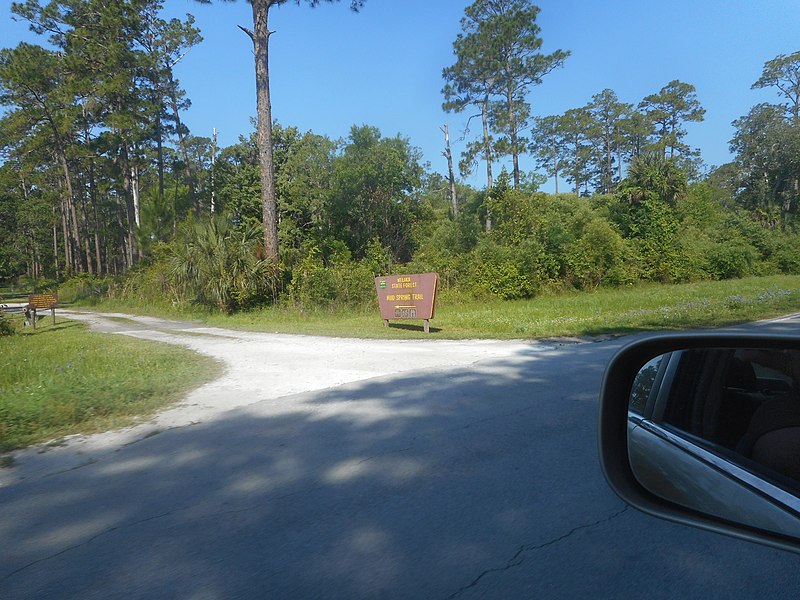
451	174
213	171
269	205
30	259
122	240
137	217
55	244
83	226
487	147
96	220
86	243
175	208
127	184
187	165
512	135
488	155
76	236
159	135
74	239
71	241
555	172
93	199
65	233
33	267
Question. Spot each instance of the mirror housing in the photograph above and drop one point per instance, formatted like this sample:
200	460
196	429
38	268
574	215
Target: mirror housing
669	501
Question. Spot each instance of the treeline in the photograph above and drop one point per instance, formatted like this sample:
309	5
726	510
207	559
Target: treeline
92	136
100	178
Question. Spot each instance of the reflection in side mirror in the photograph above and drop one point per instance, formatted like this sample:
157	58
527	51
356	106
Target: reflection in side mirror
706	430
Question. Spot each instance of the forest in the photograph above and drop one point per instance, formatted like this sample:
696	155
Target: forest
104	190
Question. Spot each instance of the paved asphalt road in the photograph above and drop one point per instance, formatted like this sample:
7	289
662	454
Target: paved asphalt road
477	481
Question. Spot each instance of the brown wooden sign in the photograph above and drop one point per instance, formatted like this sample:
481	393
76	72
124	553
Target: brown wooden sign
41	301
407	296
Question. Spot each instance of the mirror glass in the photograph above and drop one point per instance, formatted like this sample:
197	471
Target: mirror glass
718	430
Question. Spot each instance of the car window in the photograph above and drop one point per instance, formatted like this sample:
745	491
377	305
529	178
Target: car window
742	404
643	385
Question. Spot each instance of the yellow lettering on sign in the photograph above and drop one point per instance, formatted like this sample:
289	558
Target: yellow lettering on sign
417	296
390	297
42	300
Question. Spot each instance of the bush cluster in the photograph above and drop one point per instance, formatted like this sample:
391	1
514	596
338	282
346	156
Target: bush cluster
85	288
541	241
339	281
536	243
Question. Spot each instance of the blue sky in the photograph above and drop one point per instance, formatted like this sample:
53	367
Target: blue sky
331	68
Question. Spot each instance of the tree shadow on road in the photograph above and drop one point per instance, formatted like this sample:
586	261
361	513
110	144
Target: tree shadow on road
424	485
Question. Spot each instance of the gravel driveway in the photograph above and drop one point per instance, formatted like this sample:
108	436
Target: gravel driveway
259	368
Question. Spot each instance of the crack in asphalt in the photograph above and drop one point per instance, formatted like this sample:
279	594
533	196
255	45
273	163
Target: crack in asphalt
87	463
216	510
519	556
83	543
314	486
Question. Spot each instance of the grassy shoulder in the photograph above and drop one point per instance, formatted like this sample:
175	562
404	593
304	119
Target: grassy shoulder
62	379
645	307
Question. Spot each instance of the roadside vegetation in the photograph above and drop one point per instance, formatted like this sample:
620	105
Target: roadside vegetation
62	379
108	199
605	311
106	195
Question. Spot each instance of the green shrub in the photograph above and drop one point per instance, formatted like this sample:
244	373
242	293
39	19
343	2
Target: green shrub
150	283
216	264
84	288
312	284
599	250
506	272
453	269
6	326
786	255
732	259
720	253
342	283
356	285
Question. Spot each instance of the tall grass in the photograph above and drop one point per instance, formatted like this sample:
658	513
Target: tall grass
644	307
63	379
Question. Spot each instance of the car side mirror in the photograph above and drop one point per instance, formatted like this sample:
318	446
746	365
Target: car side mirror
704	429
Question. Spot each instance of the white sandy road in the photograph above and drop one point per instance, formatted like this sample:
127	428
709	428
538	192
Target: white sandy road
259	368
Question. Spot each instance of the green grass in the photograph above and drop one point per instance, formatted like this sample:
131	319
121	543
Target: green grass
646	307
603	312
641	308
62	379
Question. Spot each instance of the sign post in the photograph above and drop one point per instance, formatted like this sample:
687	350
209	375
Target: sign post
42	301
408	297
